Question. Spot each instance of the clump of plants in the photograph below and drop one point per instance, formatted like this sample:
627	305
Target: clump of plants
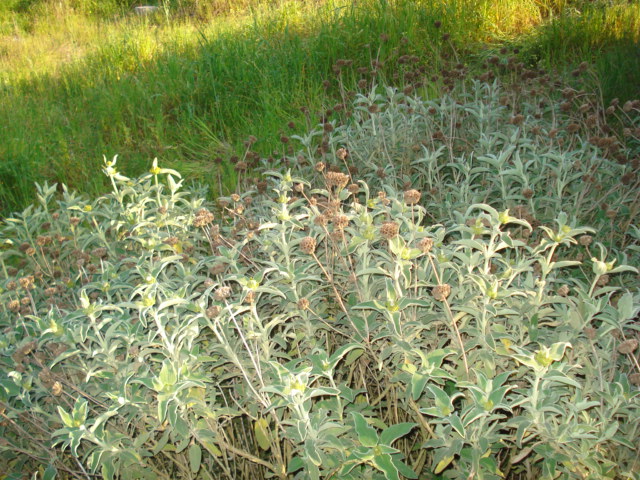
394	305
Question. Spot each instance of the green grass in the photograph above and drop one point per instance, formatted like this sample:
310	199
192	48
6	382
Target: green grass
83	79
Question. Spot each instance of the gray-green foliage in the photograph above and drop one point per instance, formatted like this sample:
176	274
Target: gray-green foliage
321	324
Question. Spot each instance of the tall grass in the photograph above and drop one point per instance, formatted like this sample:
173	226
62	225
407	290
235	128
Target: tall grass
81	79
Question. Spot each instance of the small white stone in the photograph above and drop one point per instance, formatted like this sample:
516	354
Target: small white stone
145	10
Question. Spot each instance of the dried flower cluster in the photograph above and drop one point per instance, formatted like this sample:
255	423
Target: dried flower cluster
203	218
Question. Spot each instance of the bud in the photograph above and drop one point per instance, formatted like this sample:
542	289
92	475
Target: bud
599	268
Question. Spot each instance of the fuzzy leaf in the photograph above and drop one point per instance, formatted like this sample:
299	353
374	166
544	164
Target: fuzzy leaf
384	463
261	428
195	457
366	434
394	432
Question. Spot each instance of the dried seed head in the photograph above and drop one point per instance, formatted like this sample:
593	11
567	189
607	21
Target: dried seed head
441	292
411	197
46	377
217	269
31	251
171	241
517	119
602	281
527	193
563	291
235	197
628	346
321	220
13	305
303	304
353	188
320	166
341	222
43	240
337	179
308	245
26	282
389	230
203	217
222	293
74	221
426	244
585	240
634	379
342	153
590	333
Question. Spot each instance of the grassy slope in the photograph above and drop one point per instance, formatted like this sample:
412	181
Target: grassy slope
76	85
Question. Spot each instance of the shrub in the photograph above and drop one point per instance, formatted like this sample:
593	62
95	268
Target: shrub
334	326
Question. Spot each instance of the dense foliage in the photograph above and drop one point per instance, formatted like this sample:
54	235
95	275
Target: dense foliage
434	289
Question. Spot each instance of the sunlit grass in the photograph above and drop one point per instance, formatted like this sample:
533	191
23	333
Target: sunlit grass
193	82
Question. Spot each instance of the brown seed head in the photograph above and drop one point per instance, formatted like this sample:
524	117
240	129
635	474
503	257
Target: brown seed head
337	179
222	293
411	197
203	217
13	305
389	230
590	333
441	292
308	245
634	379
303	304
563	291
425	244
527	193
26	282
628	346
585	240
